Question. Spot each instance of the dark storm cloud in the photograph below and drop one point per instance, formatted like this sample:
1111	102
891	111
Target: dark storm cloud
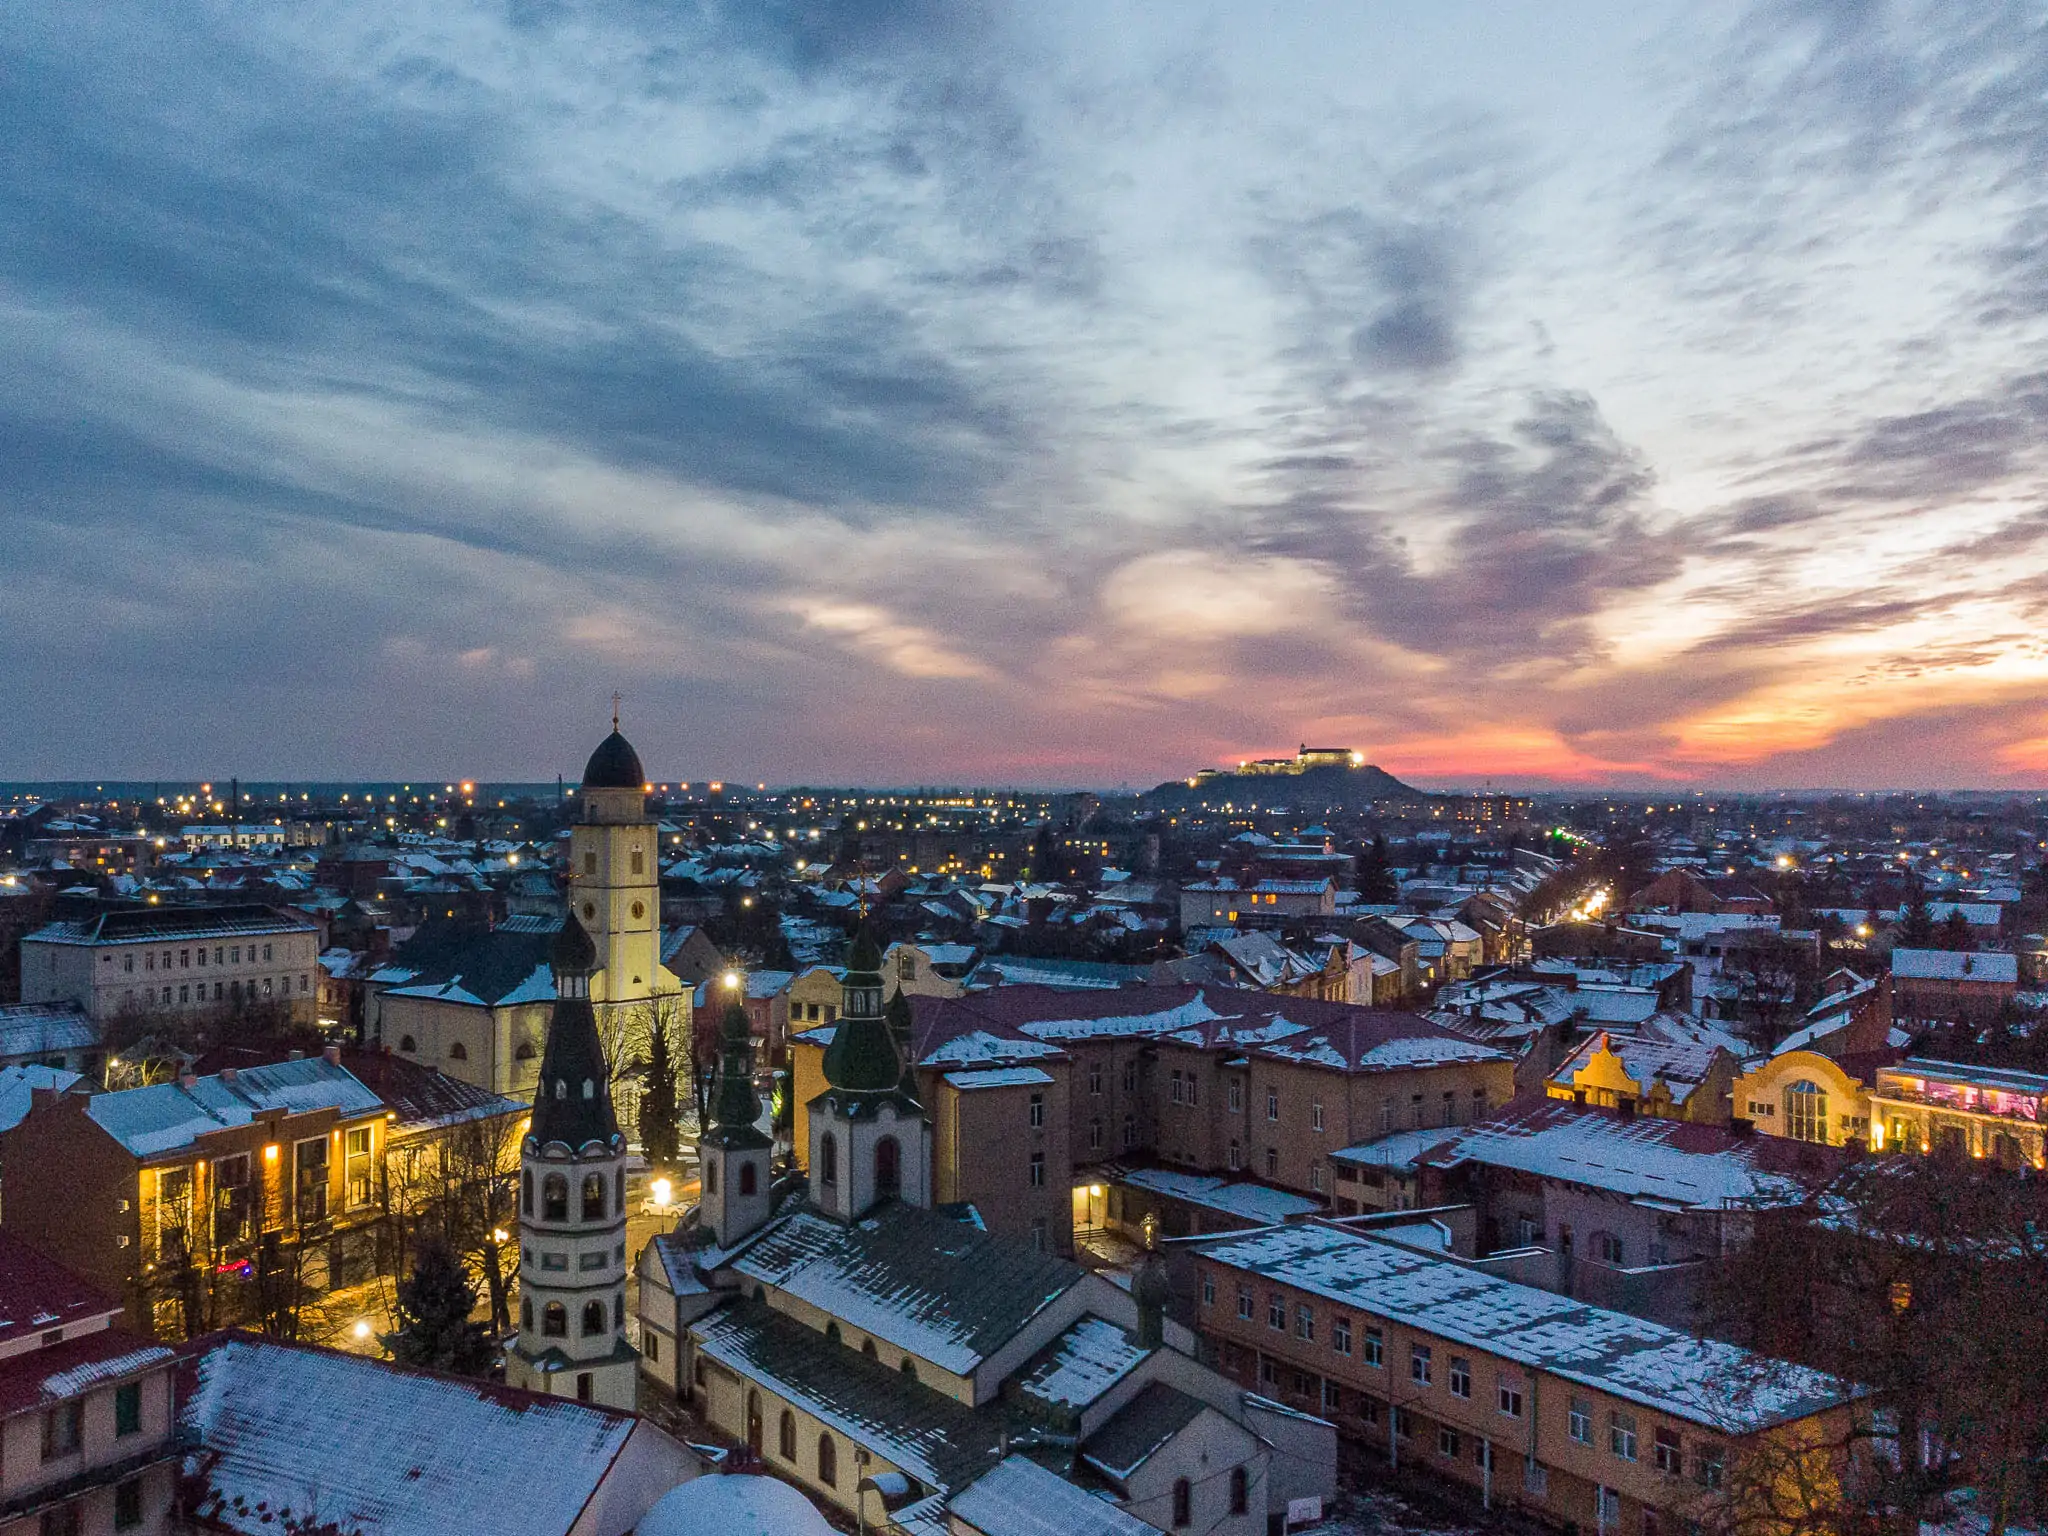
346	229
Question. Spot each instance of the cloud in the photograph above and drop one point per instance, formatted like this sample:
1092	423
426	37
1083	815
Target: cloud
902	390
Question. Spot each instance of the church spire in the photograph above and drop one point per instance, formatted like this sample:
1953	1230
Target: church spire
572	1103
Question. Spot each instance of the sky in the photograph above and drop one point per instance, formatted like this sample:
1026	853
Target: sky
1063	393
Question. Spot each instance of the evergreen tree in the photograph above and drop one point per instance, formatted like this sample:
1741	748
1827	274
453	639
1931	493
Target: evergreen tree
1916	928
658	1100
1955	932
1375	874
434	1330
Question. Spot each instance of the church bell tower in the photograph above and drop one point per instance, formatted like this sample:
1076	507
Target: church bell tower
870	1140
615	875
572	1208
734	1153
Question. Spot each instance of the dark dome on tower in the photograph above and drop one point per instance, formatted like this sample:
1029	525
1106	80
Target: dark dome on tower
614	765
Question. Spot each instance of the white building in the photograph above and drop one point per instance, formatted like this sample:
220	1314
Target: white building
184	958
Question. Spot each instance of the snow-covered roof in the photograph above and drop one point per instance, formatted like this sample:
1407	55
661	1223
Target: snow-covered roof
936	1288
1672	1162
366	1446
999	1077
1253	1202
18	1085
1083	1363
29	1029
1700	1380
167	1116
1955	965
1018	1497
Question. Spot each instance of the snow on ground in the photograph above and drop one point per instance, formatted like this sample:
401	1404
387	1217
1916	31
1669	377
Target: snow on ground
1382	1514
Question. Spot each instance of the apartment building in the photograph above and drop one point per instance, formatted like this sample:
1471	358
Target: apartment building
1952	1109
187	959
87	1439
195	1200
1040	1098
1573	1414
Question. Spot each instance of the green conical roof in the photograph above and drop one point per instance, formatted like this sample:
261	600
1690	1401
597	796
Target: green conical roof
862	1057
737	1106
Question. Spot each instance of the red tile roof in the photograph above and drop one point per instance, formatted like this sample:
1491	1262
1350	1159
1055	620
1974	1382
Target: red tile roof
38	1293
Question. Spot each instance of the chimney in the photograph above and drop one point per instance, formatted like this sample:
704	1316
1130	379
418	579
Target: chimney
188	1080
229	1074
332	1055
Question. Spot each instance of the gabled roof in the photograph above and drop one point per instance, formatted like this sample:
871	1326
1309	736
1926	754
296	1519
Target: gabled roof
1680	1066
38	1377
369	1446
27	1029
458	962
1081	1364
1699	1380
169	1116
38	1293
1139	1428
934	1437
1018	1497
934	1287
1307	1030
1955	965
1665	1162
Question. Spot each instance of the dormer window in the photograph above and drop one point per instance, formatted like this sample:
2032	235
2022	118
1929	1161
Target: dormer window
589	1089
561	1088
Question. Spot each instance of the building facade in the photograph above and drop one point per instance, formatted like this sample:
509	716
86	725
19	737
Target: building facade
125	960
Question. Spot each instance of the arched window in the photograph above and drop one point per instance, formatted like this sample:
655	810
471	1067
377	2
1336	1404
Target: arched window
867	1347
888	1166
406	1043
554	1198
910	1367
711	1177
828	1461
526	1052
785	1436
828	1160
1183	1503
593	1197
526	1313
561	1088
1806	1111
526	1192
554	1320
589	1089
458	1052
749	1179
593	1318
832	1332
1240	1491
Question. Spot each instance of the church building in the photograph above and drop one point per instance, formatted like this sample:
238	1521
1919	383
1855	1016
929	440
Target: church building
888	1356
572	1207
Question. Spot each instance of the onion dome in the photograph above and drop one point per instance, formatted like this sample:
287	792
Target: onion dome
614	765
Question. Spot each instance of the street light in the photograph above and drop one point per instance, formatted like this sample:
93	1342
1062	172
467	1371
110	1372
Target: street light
362	1328
662	1190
